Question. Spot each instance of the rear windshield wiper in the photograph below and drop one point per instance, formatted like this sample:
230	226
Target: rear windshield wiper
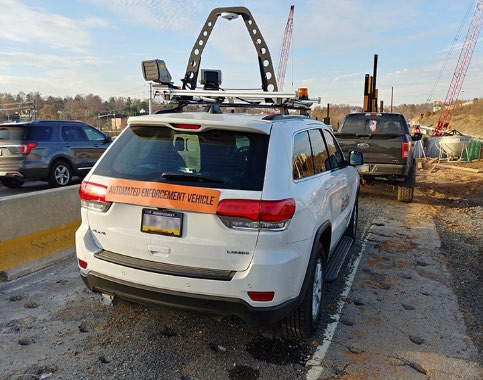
189	177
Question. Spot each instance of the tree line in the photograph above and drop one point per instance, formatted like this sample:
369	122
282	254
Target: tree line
88	108
93	110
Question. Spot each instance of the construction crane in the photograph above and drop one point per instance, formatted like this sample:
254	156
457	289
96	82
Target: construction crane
460	71
287	38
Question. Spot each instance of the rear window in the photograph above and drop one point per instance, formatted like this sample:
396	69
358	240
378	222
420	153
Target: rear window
12	133
213	158
373	124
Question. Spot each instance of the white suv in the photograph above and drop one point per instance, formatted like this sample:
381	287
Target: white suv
242	215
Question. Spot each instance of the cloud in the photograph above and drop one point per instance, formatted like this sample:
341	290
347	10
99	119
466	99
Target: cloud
162	15
23	25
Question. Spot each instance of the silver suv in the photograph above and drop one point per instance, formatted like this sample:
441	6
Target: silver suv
48	150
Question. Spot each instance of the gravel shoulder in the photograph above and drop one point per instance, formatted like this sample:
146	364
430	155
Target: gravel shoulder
452	194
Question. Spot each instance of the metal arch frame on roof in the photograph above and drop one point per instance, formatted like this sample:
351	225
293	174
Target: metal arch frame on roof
267	72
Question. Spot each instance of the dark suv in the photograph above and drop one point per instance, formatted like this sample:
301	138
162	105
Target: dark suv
48	150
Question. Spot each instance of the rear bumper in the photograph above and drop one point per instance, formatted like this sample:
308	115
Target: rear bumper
34	171
26	172
387	171
217	305
10	174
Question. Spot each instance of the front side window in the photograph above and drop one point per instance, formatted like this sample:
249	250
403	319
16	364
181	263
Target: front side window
72	133
336	158
213	158
93	134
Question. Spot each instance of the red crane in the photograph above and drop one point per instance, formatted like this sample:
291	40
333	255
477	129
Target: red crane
287	38
460	71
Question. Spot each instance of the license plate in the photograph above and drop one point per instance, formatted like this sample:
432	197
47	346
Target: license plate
162	222
364	168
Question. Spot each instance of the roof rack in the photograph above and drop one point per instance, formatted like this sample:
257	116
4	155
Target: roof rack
237	98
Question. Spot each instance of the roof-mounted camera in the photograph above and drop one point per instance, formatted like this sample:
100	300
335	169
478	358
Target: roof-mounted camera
210	79
155	70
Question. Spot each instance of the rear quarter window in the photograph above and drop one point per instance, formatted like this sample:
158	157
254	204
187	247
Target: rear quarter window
39	133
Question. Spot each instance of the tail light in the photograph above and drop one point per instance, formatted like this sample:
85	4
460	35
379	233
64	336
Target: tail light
27	148
405	150
261	296
256	214
186	126
82	263
93	196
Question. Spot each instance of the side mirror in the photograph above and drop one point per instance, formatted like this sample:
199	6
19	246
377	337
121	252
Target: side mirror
356	158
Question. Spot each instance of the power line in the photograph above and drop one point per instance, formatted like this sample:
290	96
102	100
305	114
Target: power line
450	52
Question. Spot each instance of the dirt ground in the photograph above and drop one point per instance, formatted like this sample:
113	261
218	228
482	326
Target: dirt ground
452	194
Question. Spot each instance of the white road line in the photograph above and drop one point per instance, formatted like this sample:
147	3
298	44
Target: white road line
316	360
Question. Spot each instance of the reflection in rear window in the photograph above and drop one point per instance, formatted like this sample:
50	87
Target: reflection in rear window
213	158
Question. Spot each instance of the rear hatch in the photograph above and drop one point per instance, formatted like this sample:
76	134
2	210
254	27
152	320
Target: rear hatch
378	136
165	179
11	136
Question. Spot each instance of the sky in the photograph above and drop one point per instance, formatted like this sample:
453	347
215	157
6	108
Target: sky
80	47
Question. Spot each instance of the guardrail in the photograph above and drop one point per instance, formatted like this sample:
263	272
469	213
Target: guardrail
37	229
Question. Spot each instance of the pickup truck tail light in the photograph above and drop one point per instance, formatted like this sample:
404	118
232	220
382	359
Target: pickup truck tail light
405	150
256	214
93	196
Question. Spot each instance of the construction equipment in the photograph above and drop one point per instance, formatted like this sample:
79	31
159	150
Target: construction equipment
442	128
287	39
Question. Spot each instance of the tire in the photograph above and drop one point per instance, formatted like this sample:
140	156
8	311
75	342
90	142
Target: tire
405	190
60	174
351	230
12	183
304	321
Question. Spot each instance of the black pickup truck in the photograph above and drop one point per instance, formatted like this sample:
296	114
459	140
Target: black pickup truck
387	145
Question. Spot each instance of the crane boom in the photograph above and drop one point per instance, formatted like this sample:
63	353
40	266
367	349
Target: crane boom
460	70
287	38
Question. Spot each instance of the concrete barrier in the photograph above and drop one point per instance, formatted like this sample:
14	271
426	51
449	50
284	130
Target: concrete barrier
37	229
